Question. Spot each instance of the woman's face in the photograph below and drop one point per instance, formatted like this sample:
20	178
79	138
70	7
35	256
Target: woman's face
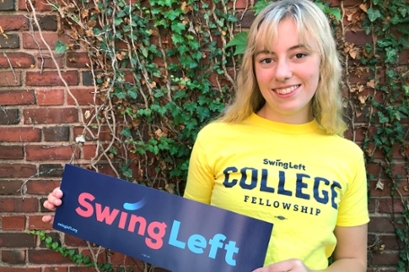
287	76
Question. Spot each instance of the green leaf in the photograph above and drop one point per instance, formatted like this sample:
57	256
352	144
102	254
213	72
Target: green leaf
382	118
126	132
373	14
60	47
240	42
118	21
132	93
260	5
391	55
406	89
336	12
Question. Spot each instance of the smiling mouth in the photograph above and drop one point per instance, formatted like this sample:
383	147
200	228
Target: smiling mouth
286	90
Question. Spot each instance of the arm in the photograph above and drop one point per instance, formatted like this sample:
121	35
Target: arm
350	254
351	251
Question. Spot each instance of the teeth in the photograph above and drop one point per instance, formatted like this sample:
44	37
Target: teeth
286	90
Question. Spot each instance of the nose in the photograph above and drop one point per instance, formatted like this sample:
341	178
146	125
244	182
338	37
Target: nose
283	70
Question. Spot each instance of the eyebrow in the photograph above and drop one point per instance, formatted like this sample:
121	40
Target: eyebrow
265	51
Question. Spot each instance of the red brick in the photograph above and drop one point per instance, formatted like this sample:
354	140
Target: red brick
391	242
337	3
74	241
14	22
78	60
38	5
10	78
16	170
118	258
47	23
36	42
376	193
240	4
47	257
358	38
385	258
19	134
22	269
50	97
55	269
13	257
399	168
41	187
372	205
381	224
84	96
50	116
52	78
56	134
82	269
403	188
18	204
88	151
9	116
10	187
374	169
107	169
104	134
389	206
17	222
16	60
35	223
45	153
7	5
46	61
17	97
376	268
404	57
10	41
48	170
11	152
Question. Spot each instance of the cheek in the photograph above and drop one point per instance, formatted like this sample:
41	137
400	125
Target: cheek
313	75
261	75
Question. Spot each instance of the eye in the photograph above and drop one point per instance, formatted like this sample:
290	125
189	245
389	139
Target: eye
266	60
300	55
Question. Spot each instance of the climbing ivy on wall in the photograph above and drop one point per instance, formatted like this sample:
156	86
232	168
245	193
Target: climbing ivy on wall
388	103
162	69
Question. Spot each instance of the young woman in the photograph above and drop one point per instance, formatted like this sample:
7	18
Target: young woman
277	152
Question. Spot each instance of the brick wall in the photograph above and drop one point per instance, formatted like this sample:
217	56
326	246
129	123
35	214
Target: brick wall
38	125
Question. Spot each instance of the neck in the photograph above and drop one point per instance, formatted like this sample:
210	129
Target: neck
292	118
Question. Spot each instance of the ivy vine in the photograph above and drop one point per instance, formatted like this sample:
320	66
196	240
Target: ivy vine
162	69
388	105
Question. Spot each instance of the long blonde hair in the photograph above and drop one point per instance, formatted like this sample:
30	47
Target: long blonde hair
327	101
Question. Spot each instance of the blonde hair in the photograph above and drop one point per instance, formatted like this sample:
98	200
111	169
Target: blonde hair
327	101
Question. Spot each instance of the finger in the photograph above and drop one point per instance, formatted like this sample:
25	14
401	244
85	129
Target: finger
57	193
269	269
52	202
47	219
53	199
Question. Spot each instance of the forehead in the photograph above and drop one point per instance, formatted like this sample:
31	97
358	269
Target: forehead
285	33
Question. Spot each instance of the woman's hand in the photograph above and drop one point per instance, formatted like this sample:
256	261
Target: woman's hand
293	265
52	202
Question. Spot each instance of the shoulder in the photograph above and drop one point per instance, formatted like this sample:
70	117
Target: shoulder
345	146
215	129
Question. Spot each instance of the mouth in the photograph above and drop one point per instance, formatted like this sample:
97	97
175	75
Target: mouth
286	90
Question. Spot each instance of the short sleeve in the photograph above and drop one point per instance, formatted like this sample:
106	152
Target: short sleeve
200	178
353	208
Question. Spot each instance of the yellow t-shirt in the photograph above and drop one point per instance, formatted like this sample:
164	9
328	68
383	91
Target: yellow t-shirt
297	177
